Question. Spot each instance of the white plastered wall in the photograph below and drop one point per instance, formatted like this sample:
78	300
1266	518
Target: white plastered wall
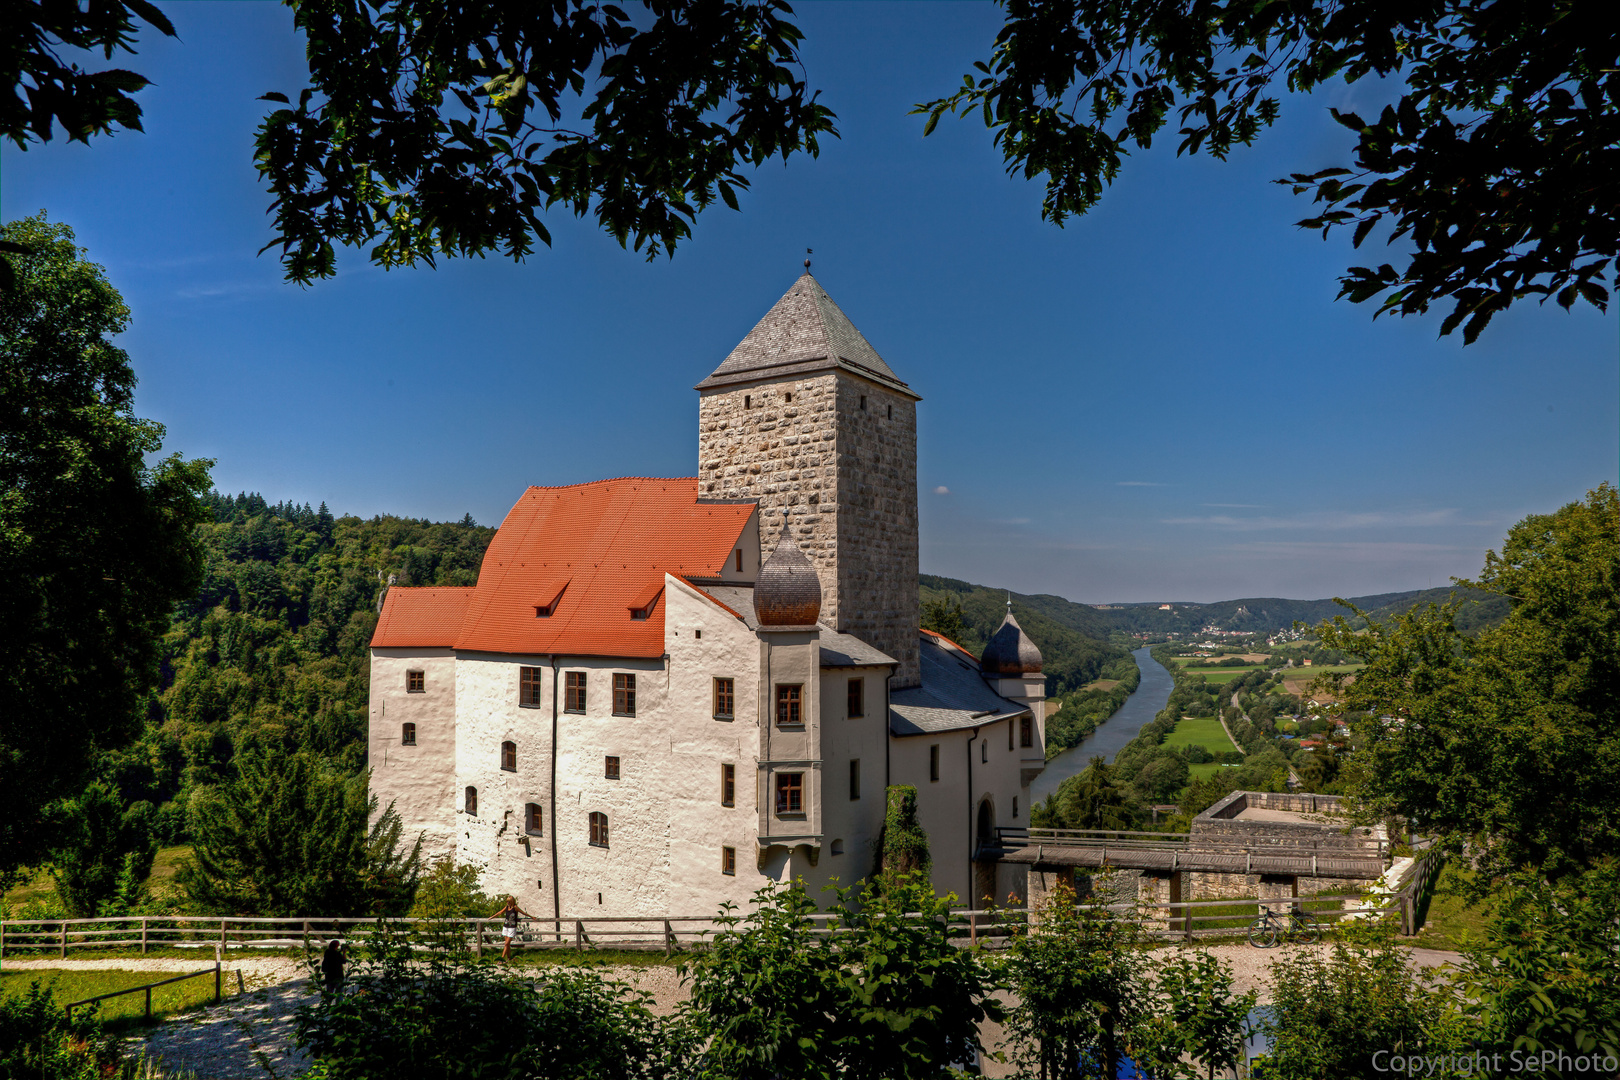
418	780
488	714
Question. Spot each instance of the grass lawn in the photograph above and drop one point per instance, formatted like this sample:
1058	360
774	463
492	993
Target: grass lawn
1450	916
1205	730
1208	768
78	985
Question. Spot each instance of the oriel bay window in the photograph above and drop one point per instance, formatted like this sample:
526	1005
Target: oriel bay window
1026	731
574	691
624	695
599	829
789	700
529	687
725	699
789	793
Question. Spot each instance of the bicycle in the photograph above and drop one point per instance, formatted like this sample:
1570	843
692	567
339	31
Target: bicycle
1265	931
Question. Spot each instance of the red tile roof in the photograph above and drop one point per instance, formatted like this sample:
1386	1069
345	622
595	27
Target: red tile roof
611	543
421	618
948	641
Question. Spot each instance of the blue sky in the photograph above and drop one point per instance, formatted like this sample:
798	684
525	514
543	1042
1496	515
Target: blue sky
1162	401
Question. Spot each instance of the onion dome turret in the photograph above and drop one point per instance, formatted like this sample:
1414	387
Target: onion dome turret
788	592
1010	651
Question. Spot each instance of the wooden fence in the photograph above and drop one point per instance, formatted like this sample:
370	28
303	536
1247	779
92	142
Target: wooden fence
988	928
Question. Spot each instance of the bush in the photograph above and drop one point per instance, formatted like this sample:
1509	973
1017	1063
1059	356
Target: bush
1198	754
36	1040
450	1016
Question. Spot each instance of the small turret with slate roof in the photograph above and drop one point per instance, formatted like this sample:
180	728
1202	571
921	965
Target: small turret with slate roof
1010	651
806	419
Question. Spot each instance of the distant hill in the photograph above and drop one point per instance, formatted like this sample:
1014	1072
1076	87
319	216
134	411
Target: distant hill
1266	614
1073	638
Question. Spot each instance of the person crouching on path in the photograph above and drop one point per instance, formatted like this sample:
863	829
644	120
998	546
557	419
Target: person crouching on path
509	914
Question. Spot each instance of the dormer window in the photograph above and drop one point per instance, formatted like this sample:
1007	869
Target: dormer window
641	607
545	604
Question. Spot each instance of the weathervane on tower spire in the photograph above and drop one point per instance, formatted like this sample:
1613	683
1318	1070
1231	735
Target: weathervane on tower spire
807	251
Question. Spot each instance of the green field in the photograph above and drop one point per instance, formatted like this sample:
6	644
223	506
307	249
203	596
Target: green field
77	985
1224	675
1205	730
1208	768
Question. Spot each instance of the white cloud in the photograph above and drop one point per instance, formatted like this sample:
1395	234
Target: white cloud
1332	520
942	490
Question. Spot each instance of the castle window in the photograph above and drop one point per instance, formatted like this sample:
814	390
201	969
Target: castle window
415	682
837	847
984	751
891	412
788	397
624	695
407	735
509	756
728	861
854	779
748	401
532	821
933	763
857	698
725	699
574	691
789	793
529	687
1009	735
863	403
470	802
599	829
787	705
1026	731
1015	806
728	785
611	769
739	560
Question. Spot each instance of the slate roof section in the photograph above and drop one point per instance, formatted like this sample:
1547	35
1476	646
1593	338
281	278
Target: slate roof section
428	617
612	541
953	694
804	332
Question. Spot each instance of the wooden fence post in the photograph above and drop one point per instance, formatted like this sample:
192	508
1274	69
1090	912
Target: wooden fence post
222	933
669	939
216	980
143	942
63	925
478	936
2	939
579	935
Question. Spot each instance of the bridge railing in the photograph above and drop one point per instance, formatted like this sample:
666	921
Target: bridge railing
1008	838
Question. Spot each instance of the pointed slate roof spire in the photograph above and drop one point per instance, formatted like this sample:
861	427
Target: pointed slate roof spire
805	331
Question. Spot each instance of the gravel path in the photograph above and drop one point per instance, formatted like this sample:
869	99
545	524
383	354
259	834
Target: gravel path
250	1036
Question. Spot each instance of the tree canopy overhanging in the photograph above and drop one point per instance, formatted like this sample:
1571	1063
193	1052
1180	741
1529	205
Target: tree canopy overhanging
1496	159
430	129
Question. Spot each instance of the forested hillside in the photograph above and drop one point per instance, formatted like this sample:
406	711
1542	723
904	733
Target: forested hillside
1267	614
273	650
1073	638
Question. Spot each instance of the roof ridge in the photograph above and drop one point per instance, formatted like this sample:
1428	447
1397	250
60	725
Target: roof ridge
607	480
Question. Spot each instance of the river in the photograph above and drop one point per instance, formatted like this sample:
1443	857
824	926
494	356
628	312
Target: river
1112	734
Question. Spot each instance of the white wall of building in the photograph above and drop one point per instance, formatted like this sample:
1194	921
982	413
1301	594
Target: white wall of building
415	779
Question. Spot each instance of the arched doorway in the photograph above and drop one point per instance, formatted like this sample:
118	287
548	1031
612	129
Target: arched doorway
985	850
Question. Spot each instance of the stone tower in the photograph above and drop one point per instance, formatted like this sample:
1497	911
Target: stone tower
805	417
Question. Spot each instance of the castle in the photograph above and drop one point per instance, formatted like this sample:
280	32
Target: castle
665	693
